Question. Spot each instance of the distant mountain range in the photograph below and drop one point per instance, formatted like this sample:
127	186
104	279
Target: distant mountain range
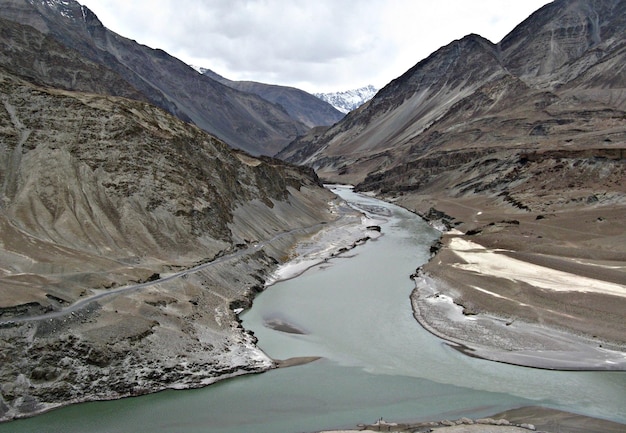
243	119
348	100
536	90
300	105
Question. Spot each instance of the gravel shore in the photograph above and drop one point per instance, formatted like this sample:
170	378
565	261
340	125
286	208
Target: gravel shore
522	420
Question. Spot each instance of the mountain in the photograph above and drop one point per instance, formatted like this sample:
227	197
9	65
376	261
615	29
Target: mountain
348	100
535	90
300	105
519	146
244	120
38	58
136	235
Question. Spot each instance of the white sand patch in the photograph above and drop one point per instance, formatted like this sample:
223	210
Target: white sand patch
325	244
495	295
292	269
489	262
445	303
455	232
522	304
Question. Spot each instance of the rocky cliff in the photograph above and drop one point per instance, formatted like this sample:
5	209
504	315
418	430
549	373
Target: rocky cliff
103	201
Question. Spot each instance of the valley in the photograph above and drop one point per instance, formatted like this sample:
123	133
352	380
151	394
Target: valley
517	154
145	205
349	314
100	196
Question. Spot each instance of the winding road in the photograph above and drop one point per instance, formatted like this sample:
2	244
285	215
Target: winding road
82	303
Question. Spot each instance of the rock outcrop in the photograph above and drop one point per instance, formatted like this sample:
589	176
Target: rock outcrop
103	200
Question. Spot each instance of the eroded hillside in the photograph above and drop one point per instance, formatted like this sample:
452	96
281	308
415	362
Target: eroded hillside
101	193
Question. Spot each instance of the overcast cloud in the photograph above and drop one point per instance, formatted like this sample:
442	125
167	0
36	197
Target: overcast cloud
315	45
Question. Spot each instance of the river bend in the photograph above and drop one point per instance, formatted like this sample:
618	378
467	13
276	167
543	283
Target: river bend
354	312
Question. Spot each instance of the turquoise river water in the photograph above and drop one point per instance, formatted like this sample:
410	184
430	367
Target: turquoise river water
376	359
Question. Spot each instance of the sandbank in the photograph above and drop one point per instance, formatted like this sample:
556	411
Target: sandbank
484	302
542	290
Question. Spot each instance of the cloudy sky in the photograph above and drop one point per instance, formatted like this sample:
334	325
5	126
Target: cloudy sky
315	45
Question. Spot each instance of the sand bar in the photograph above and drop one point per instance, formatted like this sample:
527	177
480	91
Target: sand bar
493	263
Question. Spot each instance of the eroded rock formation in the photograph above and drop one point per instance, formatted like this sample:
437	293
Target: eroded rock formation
99	193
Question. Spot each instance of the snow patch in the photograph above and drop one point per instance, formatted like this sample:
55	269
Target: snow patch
63	7
348	100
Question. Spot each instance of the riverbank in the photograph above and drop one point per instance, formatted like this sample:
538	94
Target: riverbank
522	420
380	363
180	331
545	290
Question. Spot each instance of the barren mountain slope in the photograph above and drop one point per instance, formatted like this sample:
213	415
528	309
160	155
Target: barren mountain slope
300	105
401	123
99	192
370	135
242	119
41	59
561	34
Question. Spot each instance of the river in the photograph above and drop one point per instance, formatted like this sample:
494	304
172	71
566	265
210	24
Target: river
354	312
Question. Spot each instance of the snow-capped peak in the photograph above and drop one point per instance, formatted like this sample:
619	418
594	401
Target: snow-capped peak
348	100
66	8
